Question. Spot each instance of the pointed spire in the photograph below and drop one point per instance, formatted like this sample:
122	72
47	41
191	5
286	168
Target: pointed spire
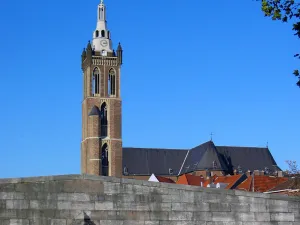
120	54
89	46
101	2
119	47
83	55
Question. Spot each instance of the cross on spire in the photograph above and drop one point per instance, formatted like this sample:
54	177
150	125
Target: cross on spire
211	136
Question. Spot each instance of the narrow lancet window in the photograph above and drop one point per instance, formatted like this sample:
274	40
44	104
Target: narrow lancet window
102	33
112	83
104	160
104	123
96	82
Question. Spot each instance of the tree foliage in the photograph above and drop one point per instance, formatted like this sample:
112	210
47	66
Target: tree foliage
293	168
285	10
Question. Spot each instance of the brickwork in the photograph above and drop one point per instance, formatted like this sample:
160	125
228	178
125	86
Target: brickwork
92	136
86	199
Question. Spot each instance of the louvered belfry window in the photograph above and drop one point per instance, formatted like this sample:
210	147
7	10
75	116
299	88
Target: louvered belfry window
96	82
104	122
112	82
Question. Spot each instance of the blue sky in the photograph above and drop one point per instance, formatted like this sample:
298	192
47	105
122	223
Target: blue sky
190	68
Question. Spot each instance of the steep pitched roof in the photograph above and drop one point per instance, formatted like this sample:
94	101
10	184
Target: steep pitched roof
190	180
248	158
204	157
207	156
146	161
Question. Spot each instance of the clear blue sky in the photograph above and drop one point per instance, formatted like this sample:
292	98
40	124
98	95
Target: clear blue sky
190	68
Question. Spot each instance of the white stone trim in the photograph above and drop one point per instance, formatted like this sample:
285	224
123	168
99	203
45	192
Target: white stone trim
95	159
184	162
104	139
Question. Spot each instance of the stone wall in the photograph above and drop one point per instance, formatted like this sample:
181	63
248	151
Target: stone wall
93	200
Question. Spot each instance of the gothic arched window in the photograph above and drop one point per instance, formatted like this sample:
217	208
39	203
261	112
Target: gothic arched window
102	33
96	82
104	160
104	123
97	33
112	82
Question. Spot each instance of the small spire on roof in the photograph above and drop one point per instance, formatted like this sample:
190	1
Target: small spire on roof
101	1
211	136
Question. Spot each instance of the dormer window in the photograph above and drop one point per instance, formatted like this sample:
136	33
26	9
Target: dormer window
170	171
125	170
215	165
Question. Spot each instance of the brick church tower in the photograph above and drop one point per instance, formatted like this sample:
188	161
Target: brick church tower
101	146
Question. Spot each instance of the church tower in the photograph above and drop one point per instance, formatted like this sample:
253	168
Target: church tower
101	146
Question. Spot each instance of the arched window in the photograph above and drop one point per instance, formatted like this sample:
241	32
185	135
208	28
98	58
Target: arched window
104	123
102	33
104	159
108	34
112	82
96	82
97	33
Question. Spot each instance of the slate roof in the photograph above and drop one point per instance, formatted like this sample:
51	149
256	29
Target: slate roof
248	158
207	156
146	161
202	157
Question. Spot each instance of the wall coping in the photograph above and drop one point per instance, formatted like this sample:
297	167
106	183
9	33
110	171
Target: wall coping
145	183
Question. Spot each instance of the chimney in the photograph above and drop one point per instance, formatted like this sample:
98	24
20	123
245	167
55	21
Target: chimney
280	173
248	173
235	172
256	172
262	173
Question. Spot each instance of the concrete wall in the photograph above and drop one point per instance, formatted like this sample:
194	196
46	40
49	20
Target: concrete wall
92	200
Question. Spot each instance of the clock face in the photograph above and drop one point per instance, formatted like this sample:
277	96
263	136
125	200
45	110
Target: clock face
104	43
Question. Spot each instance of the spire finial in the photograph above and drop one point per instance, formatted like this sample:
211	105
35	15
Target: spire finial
211	136
101	1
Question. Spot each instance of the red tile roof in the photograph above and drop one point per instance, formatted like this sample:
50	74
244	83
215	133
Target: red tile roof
164	180
261	183
190	180
230	180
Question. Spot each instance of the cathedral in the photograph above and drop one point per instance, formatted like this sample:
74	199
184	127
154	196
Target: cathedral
102	152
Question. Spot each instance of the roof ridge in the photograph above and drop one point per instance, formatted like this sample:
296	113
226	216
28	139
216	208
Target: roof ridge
172	149
231	146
